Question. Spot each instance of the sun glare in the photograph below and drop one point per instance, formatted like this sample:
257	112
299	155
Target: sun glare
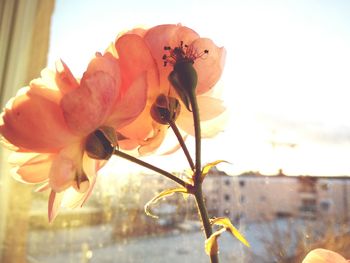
285	80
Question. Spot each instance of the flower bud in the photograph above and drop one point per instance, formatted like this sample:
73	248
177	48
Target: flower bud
184	79
165	109
100	143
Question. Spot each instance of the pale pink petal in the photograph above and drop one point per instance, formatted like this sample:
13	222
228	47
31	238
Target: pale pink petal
105	63
6	144
210	66
54	205
209	109
157	38
46	86
131	105
320	255
213	127
62	173
87	107
91	167
174	148
135	59
167	35
138	31
35	123
20	158
111	50
72	198
35	170
128	144
134	132
65	167
64	78
75	199
39	88
151	144
209	128
42	188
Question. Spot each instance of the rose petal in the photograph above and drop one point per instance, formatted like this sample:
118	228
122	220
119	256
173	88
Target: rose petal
64	78
152	143
209	107
210	66
87	107
320	255
75	199
134	58
54	205
90	167
128	144
131	105
62	173
105	63
133	131
35	123
167	35
65	167
171	35
46	86
34	170
209	111
43	187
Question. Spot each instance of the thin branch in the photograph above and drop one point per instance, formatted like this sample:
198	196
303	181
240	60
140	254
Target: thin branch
182	144
151	167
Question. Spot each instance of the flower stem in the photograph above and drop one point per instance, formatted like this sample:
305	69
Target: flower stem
205	218
198	192
182	144
197	132
151	167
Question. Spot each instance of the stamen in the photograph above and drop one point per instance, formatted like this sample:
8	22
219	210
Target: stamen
182	53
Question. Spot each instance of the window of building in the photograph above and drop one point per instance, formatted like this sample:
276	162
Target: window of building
325	186
325	205
241	183
242	199
309	202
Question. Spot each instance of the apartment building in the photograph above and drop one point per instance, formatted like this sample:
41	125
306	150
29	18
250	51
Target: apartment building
251	197
255	197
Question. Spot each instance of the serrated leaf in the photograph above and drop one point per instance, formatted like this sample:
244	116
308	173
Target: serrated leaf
211	244
208	166
226	223
159	196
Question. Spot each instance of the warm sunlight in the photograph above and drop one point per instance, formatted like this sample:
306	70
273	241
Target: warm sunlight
174	131
285	82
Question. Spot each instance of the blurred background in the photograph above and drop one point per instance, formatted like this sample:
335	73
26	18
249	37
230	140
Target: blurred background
285	87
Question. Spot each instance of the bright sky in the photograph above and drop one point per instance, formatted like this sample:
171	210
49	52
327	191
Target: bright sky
286	78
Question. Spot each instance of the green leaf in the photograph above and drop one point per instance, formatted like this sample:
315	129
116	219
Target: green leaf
211	244
208	166
226	223
159	196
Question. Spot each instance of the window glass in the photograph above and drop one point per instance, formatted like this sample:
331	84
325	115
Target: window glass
285	86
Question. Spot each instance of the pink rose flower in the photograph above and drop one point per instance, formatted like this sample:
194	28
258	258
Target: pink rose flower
63	130
320	255
148	47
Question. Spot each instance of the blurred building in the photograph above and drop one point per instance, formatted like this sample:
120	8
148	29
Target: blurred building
255	197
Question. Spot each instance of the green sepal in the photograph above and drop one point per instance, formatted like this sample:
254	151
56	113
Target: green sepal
184	79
